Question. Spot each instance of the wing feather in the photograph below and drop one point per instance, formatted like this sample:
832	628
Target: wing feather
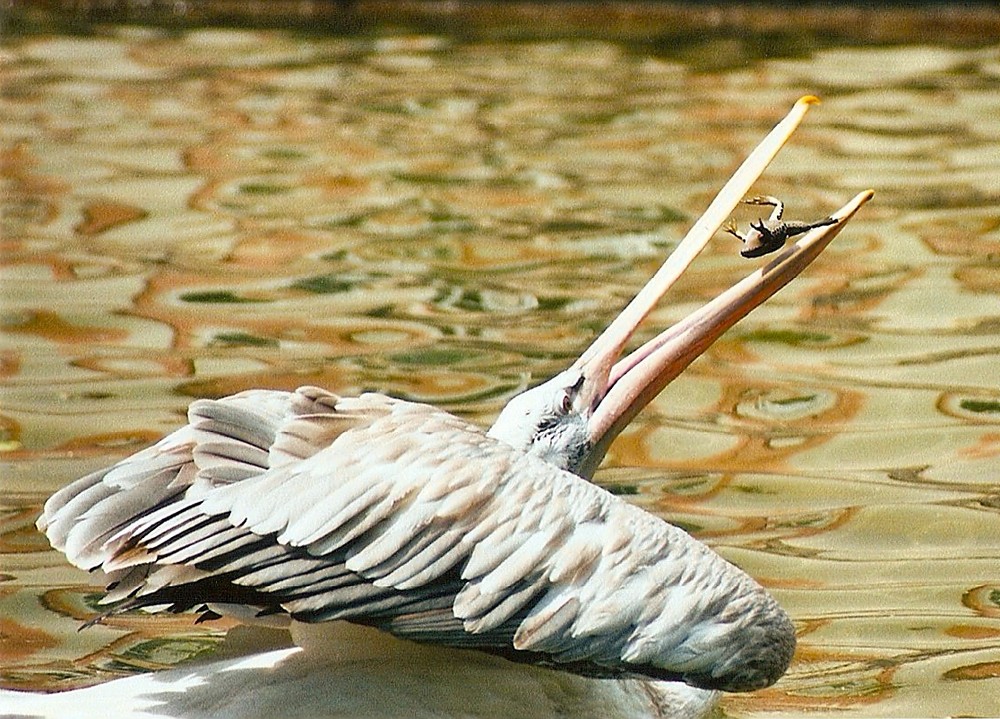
524	561
251	418
502	606
224	548
490	547
226	441
423	561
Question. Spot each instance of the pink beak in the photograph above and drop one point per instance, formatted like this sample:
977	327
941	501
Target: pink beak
619	389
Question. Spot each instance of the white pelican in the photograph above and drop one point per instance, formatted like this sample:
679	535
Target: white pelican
468	564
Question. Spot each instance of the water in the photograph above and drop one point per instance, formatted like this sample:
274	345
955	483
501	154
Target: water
447	216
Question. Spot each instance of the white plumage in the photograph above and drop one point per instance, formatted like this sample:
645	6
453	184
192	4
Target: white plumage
441	534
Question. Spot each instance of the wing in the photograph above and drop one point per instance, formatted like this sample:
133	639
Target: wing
225	441
413	521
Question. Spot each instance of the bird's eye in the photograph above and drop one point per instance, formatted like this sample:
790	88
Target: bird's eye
565	403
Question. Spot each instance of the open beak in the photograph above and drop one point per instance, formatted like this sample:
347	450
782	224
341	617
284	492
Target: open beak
618	389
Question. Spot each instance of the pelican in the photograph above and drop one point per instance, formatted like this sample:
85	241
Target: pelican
471	553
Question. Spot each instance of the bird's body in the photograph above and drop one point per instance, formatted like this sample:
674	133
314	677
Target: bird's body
401	518
353	672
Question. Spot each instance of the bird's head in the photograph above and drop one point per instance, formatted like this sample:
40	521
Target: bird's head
550	420
571	419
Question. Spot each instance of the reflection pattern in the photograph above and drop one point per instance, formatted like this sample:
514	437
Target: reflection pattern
192	215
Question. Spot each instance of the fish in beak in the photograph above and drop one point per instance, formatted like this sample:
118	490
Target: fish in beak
602	392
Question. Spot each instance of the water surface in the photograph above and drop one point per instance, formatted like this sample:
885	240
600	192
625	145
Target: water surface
450	217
